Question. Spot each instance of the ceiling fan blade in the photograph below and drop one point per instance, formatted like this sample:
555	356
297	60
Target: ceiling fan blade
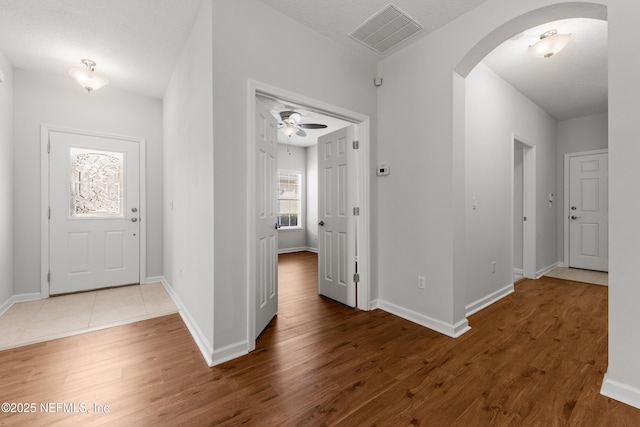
301	133
312	126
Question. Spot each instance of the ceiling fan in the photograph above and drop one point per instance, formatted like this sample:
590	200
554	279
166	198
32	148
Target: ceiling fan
291	124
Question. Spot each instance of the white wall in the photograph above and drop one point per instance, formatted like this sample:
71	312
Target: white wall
576	135
495	111
6	182
420	86
331	74
312	197
41	98
294	159
188	183
424	83
623	377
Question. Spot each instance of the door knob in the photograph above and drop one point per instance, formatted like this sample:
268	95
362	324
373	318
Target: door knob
321	223
134	219
277	226
575	217
573	208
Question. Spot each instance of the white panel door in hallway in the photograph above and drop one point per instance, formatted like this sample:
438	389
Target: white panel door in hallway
266	217
94	200
336	241
588	212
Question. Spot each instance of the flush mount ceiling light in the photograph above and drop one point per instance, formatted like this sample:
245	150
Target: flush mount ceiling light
87	77
550	43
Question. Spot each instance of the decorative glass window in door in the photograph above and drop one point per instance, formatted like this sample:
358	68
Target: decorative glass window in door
96	179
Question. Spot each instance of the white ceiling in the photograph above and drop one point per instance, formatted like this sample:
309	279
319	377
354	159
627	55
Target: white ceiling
337	18
572	83
136	43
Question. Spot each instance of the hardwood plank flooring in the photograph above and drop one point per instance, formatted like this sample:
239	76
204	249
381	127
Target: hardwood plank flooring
535	358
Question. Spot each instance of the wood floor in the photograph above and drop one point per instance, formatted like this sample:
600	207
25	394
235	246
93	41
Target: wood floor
536	358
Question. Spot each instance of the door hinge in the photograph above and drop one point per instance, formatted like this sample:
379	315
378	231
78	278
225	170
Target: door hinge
48	277
49	212
356	145
525	218
356	211
48	148
356	277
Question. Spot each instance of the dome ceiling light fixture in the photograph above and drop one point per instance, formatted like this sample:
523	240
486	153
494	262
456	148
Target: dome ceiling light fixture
550	44
87	77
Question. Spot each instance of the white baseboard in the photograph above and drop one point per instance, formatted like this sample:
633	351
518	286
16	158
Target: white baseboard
518	273
300	249
374	304
229	352
205	347
18	298
453	331
476	306
546	269
620	391
154	279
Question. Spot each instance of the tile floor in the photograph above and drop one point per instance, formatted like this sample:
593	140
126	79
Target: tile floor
56	317
578	275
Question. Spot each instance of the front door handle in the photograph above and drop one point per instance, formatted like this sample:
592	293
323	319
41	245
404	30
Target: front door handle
134	219
277	226
321	223
575	217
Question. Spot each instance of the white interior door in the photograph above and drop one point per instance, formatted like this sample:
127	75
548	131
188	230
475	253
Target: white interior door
588	212
267	218
336	242
94	196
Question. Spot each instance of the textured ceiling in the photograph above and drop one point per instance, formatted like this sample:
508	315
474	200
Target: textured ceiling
337	18
135	43
572	83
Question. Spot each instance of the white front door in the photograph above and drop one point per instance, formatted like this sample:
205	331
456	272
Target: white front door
336	244
94	199
267	218
588	212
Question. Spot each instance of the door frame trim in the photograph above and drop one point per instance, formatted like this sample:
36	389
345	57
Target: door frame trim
361	198
45	130
565	212
528	208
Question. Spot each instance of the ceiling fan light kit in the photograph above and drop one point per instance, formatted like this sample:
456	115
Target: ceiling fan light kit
87	77
291	124
550	44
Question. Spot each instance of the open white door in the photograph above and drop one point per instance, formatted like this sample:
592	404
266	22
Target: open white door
336	236
588	212
94	200
267	218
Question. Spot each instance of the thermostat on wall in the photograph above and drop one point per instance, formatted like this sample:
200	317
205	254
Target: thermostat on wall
383	169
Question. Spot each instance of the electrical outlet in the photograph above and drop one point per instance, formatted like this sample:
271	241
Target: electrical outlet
422	283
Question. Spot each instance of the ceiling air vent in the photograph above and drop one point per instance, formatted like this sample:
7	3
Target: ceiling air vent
386	29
